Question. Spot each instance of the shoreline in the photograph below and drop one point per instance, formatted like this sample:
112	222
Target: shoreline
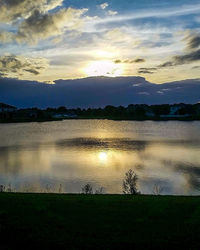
186	119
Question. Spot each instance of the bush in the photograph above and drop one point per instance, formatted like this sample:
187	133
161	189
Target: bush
87	189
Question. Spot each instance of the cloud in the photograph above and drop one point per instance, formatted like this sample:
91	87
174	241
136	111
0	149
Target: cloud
6	37
147	70
96	92
34	22
39	26
12	10
162	13
112	13
18	66
104	6
193	41
137	60
192	55
143	93
182	59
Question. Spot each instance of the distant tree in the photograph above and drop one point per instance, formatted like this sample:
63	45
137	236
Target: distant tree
2	188
157	189
48	188
60	188
87	189
163	109
9	188
99	190
130	183
61	109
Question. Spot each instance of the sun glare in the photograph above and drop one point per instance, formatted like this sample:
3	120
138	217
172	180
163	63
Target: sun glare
103	68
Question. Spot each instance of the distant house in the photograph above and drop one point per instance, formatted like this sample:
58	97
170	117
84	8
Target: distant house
175	108
64	115
174	111
6	108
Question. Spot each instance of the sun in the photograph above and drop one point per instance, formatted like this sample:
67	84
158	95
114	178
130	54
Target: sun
103	68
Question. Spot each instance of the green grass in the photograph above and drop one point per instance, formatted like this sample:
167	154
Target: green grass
52	221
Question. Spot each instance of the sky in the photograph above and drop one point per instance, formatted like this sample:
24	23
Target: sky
47	40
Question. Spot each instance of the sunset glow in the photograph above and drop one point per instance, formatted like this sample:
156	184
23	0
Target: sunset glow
103	68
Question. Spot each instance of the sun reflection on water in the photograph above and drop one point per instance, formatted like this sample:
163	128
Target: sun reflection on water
103	156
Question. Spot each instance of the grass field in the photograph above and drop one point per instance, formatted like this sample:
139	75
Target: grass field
65	221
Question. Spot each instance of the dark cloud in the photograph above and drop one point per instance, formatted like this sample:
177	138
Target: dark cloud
137	60
193	41
117	61
42	26
192	45
147	70
15	66
96	92
182	59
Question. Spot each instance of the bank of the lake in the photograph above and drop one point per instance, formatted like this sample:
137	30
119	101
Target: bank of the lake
52	221
113	118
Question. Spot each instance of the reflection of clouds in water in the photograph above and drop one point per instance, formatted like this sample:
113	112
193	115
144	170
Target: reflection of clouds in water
103	143
103	162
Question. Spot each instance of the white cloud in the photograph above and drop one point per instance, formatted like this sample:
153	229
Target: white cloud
112	13
104	6
162	13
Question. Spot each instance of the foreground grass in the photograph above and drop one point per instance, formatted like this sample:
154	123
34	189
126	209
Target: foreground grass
50	221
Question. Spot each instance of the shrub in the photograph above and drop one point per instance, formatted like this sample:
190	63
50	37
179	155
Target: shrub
87	189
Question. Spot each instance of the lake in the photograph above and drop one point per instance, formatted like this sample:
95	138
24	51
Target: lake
39	157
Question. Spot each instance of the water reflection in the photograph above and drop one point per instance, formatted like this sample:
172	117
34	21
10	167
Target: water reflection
35	156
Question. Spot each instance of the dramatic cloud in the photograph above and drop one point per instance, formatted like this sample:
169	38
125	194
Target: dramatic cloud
16	66
12	10
97	92
34	21
39	26
182	59
137	60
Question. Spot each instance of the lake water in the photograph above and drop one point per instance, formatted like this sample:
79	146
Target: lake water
40	156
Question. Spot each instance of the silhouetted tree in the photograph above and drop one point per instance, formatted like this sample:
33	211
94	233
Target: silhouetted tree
157	189
87	189
61	109
9	188
2	188
99	190
130	183
60	188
